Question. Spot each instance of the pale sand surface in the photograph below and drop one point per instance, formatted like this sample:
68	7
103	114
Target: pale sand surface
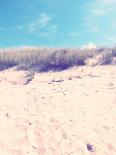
58	113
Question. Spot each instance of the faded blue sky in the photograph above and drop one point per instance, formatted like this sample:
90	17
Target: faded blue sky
57	23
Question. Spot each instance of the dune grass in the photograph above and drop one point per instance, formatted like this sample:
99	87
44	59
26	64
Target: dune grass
56	59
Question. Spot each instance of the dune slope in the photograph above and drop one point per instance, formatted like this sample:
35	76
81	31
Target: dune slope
58	113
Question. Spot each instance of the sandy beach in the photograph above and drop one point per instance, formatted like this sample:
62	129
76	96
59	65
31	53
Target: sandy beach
58	113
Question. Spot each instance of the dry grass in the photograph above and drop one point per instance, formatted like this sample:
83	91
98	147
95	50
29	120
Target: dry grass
57	59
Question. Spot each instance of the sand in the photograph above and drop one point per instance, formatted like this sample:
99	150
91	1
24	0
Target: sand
72	112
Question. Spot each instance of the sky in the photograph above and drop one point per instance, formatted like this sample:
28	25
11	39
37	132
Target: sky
57	23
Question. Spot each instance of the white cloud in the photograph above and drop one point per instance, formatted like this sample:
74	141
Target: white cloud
73	34
12	28
91	24
107	1
20	27
3	29
16	28
44	35
94	28
95	11
53	28
90	45
42	26
39	23
98	12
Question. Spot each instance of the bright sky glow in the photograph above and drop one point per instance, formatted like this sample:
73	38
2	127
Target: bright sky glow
57	23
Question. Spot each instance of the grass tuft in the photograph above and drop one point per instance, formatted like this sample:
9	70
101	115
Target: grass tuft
56	59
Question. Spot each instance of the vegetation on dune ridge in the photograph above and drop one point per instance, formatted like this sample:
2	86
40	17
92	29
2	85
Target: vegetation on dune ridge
56	59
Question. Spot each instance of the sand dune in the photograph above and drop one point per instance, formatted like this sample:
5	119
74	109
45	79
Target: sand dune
72	112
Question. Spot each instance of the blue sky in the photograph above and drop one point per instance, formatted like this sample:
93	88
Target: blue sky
57	23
